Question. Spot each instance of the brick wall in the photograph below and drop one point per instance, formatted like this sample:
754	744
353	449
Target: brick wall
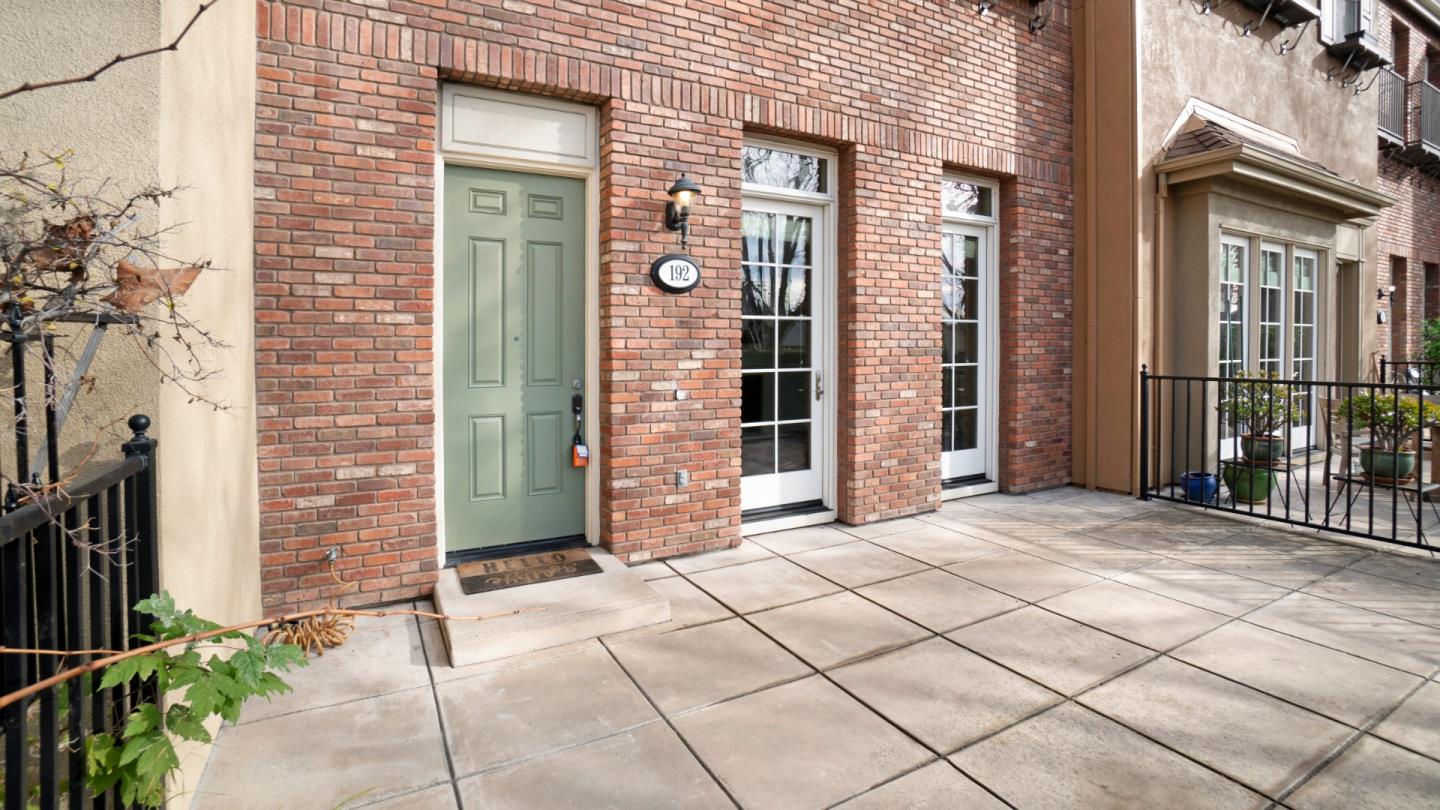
345	229
1410	230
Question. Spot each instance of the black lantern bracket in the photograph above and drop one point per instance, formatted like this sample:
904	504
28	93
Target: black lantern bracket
677	210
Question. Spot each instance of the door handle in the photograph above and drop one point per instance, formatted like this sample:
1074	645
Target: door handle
819	386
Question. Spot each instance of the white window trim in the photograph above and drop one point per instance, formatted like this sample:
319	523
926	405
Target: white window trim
991	224
994	187
830	156
830	362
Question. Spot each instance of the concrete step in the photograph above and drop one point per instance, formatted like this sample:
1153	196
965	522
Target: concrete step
573	609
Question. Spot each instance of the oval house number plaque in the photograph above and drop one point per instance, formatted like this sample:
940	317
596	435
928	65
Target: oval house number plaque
675	273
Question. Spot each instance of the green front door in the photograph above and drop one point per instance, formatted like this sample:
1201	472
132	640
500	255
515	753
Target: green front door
513	315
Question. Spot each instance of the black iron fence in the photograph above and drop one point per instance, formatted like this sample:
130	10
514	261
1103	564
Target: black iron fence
1351	458
73	563
1410	372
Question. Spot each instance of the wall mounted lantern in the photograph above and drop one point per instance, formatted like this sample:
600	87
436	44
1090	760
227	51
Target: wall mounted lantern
1043	9
677	211
1381	294
985	6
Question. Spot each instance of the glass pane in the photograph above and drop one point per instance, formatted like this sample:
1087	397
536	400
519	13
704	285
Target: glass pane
757	344
794	344
1270	264
794	447
1270	305
757	237
950	297
795	243
757	290
972	257
947	387
794	291
967	343
1269	343
967	391
794	394
1232	263
947	254
966	199
774	167
947	343
946	437
969	300
1304	273
757	397
966	435
757	450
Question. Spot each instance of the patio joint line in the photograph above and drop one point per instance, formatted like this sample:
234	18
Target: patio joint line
1350	741
825	673
673	729
439	715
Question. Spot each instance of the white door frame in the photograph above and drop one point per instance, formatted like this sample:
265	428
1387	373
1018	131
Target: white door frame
794	487
450	149
824	209
989	227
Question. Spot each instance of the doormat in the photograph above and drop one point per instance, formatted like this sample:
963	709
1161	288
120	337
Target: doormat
525	569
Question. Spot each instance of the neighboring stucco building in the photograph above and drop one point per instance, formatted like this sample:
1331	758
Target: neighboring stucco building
457	209
183	118
1229	200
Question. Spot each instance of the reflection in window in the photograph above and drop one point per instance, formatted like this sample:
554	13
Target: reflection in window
958	198
763	166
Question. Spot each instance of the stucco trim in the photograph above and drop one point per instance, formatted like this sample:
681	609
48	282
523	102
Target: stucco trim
1351	200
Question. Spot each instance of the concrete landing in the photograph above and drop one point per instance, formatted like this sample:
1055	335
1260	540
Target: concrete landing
574	609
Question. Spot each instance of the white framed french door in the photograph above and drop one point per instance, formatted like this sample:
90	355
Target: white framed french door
1305	341
968	338
785	277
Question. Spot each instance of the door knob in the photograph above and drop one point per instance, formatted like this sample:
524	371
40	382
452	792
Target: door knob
578	384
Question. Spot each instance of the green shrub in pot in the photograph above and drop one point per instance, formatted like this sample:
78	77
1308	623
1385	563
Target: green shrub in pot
1262	406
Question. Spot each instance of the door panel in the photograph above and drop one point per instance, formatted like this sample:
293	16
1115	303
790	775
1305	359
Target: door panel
512	320
967	330
782	355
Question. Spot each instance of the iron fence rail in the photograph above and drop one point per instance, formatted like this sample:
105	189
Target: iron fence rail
1410	372
73	564
1328	474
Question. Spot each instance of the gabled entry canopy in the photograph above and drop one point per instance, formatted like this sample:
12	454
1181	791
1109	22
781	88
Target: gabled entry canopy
1205	150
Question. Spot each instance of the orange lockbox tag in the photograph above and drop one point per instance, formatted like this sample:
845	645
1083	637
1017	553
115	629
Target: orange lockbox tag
579	455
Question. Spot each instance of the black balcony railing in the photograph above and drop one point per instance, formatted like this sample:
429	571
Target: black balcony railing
1391	86
1427	100
1351	458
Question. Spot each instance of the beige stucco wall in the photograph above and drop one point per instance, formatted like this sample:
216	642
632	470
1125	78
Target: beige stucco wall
1162	53
178	119
209	495
112	128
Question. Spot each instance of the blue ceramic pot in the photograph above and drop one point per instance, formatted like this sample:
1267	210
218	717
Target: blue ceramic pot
1200	487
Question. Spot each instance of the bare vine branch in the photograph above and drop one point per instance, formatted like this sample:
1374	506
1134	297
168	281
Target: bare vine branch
174	45
101	663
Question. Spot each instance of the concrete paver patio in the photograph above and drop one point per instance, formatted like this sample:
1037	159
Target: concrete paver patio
1060	650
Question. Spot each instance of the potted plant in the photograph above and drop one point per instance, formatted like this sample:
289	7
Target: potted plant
1391	419
1265	407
